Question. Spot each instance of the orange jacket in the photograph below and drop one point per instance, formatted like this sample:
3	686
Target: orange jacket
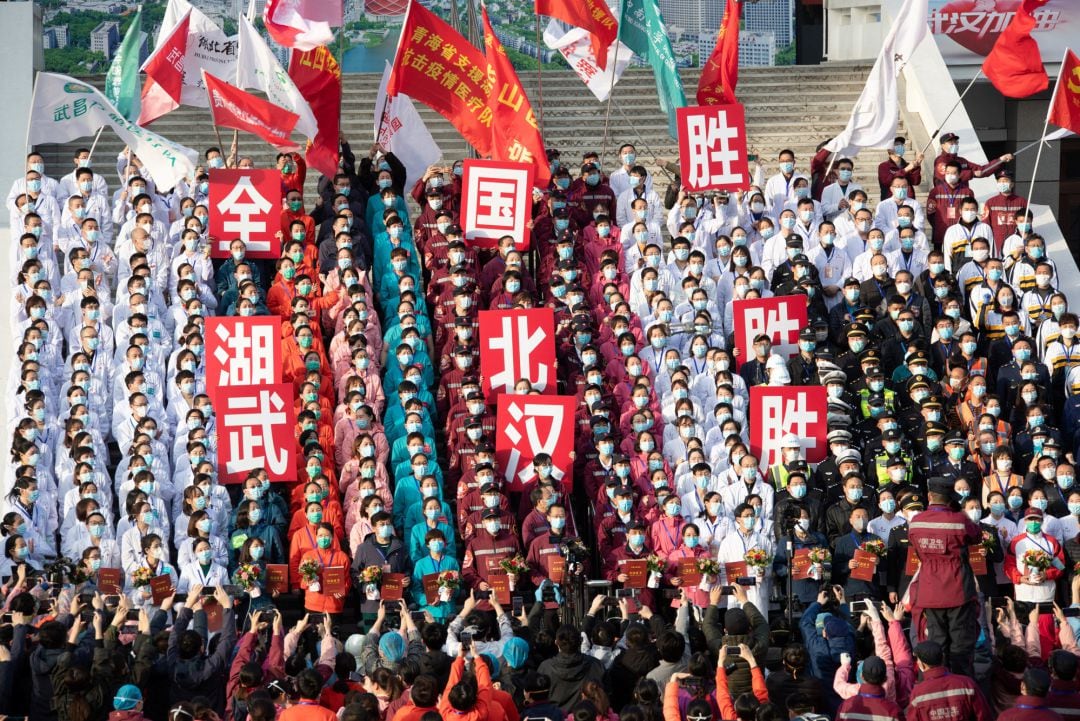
301	542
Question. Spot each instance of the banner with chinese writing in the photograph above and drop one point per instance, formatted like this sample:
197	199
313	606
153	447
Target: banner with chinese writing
712	147
528	425
245	204
516	344
781	317
776	411
317	76
966	31
255	430
231	107
242	351
496	201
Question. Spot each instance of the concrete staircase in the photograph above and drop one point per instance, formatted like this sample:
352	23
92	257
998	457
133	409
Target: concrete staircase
787	107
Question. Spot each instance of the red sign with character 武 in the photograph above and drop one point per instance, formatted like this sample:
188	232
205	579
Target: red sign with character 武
516	344
776	411
528	425
712	147
245	205
780	317
496	201
242	351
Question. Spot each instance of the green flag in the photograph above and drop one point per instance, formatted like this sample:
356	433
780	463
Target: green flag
642	28
122	80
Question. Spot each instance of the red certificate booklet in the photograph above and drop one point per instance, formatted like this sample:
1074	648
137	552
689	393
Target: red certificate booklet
911	563
977	559
109	580
735	569
557	569
800	564
160	588
637	572
689	572
431	588
500	586
333	579
277	578
393	586
867	566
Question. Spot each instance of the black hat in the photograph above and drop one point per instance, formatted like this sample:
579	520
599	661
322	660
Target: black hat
795	241
911	502
916	355
934	428
891	435
949	137
940	485
857	329
635	525
491	513
874	668
807	334
955	437
850	281
1003	173
489	488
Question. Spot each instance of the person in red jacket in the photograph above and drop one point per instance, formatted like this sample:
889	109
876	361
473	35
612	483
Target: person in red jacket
466	701
317	599
1064	689
871	701
943	695
1031	704
944	587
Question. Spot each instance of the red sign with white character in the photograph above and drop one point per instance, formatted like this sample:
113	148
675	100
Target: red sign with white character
255	430
776	411
528	425
496	201
242	351
245	204
781	317
516	344
712	147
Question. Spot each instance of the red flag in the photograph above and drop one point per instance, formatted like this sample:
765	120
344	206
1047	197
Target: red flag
1014	65
234	108
592	15
1065	107
302	24
515	134
165	74
318	78
437	66
719	76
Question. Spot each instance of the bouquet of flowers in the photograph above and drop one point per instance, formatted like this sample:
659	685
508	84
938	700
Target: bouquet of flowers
513	567
758	559
874	546
247	577
710	571
820	556
370	576
448	582
141	577
309	573
987	541
1036	561
655	566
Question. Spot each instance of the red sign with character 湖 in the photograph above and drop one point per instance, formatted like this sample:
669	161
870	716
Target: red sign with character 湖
242	351
245	204
496	201
516	344
776	411
528	425
712	147
781	318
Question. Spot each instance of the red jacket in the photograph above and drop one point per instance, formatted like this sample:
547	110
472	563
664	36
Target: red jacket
1030	708
870	702
479	712
940	538
943	695
1064	697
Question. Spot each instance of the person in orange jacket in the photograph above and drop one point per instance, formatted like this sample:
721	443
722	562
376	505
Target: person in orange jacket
466	701
292	211
304	540
283	289
327	556
319	492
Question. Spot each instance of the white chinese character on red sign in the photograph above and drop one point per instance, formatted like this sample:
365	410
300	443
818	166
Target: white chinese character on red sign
242	207
250	421
525	433
496	201
712	147
775	322
518	347
246	358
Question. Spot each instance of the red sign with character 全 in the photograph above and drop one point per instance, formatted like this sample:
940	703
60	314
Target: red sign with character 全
255	430
496	201
776	411
245	204
781	317
528	425
516	344
242	351
712	147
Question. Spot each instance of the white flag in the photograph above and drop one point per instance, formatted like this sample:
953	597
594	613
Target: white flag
208	48
403	133
575	45
875	116
65	109
258	68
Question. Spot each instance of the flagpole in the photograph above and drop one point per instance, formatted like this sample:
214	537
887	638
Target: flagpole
611	90
1046	124
94	144
948	115
539	77
1029	146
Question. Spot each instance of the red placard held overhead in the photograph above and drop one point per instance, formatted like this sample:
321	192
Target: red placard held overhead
245	204
712	147
516	344
255	430
242	352
528	425
776	411
781	317
496	200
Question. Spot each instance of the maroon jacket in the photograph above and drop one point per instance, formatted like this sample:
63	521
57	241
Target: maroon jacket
1064	697
943	695
483	554
941	538
1030	708
870	702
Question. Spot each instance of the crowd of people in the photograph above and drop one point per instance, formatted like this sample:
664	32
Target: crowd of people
924	568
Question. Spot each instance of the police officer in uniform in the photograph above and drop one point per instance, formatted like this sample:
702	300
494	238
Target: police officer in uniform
899	569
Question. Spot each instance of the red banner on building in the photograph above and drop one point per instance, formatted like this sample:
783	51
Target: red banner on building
528	425
234	108
781	317
438	67
245	204
516	344
776	411
496	201
255	430
317	76
712	147
242	352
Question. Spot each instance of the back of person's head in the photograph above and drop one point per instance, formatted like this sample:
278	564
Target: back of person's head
368	705
431	716
76	705
671	645
24	603
462	696
434	636
632	712
584	711
344	665
1013	658
1036	682
1062	665
646	692
799	703
795	658
261	709
309	684
746	706
603	635
190	644
699	710
873	671
357	711
930	653
568	639
636	636
699	665
770	712
425	690
536	687
52	634
294	664
251	675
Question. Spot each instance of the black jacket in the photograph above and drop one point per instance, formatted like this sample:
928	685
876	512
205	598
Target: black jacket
568	673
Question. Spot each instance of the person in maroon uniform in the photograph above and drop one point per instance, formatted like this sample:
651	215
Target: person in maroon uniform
950	151
1033	703
1000	210
943	695
485	550
870	702
897	167
1064	695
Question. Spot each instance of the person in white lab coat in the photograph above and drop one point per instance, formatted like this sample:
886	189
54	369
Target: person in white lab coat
748	535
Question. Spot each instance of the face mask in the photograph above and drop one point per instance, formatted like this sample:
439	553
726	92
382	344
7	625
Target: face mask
797	490
899	193
854	495
314	517
97	531
324	542
1033	526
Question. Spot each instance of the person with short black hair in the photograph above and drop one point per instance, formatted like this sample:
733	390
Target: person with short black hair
944	695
